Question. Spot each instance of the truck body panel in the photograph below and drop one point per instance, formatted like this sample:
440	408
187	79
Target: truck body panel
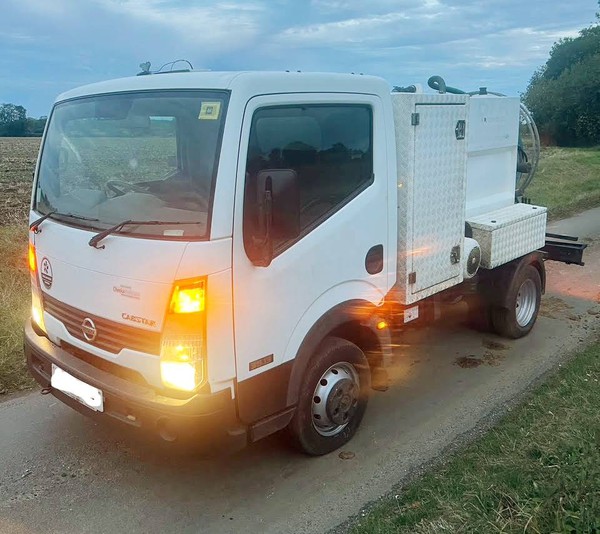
492	139
431	184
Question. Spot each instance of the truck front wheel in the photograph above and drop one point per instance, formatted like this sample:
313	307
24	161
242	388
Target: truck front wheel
333	398
524	296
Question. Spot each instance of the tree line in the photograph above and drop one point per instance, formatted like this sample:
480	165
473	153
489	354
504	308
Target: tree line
14	122
564	94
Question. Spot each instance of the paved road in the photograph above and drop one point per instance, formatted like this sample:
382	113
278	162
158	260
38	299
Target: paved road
61	472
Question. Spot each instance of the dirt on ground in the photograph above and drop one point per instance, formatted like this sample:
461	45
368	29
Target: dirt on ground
17	163
554	307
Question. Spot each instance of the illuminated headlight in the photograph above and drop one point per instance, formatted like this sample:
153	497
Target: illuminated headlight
37	314
182	353
181	365
36	311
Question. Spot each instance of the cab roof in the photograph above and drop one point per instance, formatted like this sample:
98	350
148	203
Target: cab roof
252	82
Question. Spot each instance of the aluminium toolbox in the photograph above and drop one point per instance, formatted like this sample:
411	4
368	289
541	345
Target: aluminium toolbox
508	233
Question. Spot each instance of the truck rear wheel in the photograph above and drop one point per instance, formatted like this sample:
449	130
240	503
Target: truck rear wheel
333	399
524	297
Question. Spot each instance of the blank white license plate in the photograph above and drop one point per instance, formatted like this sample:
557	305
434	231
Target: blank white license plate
73	387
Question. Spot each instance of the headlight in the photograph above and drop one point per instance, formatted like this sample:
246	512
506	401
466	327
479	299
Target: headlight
36	310
37	313
181	362
183	347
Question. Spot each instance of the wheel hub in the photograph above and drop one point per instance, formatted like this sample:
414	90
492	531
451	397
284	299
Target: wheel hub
341	401
335	399
526	302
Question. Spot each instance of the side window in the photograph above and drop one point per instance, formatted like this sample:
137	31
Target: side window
328	151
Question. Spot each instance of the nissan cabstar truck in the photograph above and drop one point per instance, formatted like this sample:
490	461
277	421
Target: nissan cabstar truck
234	253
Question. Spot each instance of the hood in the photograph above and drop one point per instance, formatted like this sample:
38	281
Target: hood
128	282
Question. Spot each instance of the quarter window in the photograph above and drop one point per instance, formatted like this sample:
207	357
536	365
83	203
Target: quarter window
329	147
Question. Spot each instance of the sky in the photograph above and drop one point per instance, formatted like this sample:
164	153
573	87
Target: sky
49	46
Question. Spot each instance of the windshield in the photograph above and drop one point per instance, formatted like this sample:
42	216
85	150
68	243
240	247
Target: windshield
135	156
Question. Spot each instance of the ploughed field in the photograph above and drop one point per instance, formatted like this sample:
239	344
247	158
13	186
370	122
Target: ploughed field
17	163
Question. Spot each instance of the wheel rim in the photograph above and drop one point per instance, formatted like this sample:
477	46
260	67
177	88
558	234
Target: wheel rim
526	302
335	399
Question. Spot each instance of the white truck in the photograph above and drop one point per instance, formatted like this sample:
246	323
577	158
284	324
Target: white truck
231	253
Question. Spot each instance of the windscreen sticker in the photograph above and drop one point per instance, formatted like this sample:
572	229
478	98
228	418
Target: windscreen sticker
210	111
173	233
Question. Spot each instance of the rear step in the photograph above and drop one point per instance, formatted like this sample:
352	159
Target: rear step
566	250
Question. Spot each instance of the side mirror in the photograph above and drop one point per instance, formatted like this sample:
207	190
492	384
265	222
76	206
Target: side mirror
277	217
285	194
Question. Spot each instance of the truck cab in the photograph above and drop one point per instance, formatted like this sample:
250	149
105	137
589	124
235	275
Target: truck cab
204	232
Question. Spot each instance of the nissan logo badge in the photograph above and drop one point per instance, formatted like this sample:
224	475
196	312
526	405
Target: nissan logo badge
89	329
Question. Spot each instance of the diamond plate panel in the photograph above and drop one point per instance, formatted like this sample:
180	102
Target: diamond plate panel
431	192
509	233
403	106
439	196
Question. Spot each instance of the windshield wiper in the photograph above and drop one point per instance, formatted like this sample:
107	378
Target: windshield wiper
99	237
34	226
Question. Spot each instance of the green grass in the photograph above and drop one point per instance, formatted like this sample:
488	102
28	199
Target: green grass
537	471
15	300
567	181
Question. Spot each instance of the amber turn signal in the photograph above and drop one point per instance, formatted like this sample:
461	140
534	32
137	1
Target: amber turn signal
189	298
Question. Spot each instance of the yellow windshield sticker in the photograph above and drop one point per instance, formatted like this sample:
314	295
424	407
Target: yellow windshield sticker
210	111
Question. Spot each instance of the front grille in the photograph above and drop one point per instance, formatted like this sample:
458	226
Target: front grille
111	337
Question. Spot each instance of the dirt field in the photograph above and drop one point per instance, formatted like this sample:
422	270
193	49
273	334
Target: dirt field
17	163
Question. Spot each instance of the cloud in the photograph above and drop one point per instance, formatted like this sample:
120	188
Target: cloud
51	45
220	27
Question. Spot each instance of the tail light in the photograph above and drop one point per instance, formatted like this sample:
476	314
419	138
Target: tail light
37	312
183	347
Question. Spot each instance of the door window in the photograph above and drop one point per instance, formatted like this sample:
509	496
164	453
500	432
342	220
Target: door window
329	147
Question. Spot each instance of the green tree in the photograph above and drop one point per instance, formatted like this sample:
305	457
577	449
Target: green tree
564	94
15	123
12	113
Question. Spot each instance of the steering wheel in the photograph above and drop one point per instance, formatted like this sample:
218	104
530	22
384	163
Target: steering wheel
120	187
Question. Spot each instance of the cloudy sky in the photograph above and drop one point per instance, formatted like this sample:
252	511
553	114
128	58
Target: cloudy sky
48	46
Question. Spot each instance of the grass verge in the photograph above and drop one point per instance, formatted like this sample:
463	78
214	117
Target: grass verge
14	305
567	181
537	471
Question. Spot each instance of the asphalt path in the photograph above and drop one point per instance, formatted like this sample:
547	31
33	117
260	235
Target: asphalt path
62	472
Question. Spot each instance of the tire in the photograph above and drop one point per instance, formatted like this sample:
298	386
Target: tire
333	398
524	297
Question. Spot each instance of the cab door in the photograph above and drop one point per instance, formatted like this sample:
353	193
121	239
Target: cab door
334	147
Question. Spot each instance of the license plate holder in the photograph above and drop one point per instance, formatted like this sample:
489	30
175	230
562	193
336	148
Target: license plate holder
87	395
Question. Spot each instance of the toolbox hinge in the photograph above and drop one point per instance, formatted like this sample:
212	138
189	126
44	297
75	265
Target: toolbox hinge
412	278
414	119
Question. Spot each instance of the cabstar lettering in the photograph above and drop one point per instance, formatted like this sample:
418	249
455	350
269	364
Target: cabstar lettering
136	319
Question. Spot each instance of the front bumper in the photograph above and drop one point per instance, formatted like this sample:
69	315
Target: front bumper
202	417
